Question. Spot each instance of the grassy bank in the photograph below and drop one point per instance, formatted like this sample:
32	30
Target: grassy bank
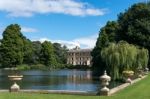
140	90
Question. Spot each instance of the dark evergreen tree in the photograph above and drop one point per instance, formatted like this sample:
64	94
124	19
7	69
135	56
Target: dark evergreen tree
47	55
28	51
64	54
132	26
12	46
107	34
60	52
135	25
36	52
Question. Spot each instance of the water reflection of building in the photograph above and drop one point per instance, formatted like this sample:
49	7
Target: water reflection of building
79	56
80	77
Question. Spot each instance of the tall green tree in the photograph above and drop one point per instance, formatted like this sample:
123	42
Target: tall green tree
27	50
12	46
60	52
47	55
107	34
37	46
134	25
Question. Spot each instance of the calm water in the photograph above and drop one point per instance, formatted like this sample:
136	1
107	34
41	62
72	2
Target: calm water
53	80
77	80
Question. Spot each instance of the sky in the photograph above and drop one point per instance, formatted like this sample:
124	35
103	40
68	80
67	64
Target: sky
69	22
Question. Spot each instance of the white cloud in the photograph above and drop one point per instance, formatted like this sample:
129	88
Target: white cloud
27	8
85	42
23	29
28	30
69	44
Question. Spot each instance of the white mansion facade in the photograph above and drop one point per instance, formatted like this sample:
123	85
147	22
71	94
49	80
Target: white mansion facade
79	56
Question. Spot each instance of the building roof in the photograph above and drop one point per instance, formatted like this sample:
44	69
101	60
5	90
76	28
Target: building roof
80	50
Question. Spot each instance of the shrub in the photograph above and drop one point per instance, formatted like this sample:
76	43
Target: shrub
23	67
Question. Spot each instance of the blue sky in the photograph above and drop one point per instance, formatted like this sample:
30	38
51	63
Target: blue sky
70	22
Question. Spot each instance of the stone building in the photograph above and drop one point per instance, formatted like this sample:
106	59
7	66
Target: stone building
79	56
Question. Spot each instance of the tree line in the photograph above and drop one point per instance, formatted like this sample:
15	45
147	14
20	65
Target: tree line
16	49
132	26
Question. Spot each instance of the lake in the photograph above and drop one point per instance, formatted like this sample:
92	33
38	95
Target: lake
76	80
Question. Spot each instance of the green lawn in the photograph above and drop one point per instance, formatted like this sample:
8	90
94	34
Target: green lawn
140	90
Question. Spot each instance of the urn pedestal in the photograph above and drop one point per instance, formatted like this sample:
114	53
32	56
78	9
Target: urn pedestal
105	79
15	87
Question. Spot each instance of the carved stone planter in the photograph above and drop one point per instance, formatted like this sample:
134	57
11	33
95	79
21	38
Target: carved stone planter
128	74
15	87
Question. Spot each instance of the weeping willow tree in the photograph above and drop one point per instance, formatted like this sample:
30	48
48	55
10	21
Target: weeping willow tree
130	57
112	59
123	56
142	58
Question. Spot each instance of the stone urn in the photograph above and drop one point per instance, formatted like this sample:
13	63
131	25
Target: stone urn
15	87
140	73
128	74
105	79
146	71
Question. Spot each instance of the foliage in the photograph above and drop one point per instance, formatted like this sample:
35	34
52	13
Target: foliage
106	35
47	55
60	53
123	56
23	67
12	46
17	50
142	58
132	26
28	51
32	67
39	67
36	52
